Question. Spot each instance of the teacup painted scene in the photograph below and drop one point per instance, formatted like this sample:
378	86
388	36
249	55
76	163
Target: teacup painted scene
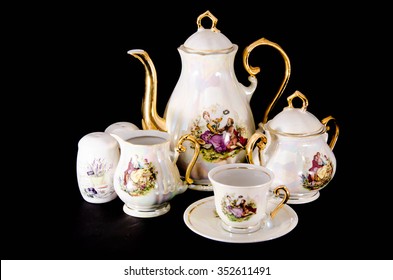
238	208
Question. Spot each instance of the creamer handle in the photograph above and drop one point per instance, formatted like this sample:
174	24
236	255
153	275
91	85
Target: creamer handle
258	135
255	70
181	149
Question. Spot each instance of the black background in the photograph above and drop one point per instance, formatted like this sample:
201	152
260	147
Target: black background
78	78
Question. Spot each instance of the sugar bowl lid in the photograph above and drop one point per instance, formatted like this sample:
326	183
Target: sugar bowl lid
207	40
295	121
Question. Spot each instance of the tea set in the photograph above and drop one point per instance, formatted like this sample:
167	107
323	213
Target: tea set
207	141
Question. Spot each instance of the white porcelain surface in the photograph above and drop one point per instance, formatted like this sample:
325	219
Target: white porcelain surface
305	199
201	218
219	113
151	213
97	159
299	194
295	121
297	151
207	101
147	177
241	193
207	40
121	129
205	187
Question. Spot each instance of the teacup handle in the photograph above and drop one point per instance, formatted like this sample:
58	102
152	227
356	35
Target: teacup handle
180	148
251	145
283	201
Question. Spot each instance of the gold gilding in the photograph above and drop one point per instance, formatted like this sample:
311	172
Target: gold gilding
260	140
150	117
334	138
181	149
255	70
299	95
212	18
282	202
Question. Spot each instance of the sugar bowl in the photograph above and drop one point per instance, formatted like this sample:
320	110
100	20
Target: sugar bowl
295	146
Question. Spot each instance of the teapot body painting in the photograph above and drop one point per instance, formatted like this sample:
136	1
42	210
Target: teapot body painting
294	145
208	101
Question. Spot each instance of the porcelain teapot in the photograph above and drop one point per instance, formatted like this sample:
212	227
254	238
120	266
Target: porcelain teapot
207	101
294	145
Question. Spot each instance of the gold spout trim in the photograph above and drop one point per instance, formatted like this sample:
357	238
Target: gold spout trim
150	117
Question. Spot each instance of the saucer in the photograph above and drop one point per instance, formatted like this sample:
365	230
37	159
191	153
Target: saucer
201	218
302	200
199	187
204	188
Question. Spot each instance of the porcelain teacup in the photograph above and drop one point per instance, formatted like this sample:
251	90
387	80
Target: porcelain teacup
242	192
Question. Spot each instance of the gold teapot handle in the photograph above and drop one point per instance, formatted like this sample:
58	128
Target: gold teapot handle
180	148
336	132
255	70
254	139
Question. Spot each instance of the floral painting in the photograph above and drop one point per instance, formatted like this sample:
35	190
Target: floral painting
99	187
238	208
139	178
319	173
98	167
219	135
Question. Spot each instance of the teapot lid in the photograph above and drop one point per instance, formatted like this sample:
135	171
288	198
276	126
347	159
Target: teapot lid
296	121
207	40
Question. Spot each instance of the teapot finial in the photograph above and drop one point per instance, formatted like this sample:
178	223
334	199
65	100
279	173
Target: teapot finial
213	19
299	95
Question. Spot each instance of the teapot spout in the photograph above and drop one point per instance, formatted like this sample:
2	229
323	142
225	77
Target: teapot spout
150	117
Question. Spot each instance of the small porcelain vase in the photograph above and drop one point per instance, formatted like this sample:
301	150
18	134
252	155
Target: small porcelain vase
97	159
